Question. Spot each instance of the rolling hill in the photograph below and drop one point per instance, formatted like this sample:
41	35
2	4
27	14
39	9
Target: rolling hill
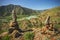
54	13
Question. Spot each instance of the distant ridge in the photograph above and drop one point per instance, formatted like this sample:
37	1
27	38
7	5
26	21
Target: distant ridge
7	9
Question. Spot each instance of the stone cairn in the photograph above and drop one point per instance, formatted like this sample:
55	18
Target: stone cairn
49	31
14	27
14	30
49	28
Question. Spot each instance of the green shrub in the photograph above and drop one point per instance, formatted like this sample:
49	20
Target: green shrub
6	37
28	36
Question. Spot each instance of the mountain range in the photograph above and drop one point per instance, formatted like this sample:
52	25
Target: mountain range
7	10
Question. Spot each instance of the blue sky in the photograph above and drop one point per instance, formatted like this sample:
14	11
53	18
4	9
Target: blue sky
33	4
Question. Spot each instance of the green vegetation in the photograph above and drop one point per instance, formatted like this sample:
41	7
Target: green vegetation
6	37
28	36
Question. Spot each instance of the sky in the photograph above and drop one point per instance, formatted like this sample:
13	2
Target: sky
33	4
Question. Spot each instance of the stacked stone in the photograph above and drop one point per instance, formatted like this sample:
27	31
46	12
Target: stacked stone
49	30
14	27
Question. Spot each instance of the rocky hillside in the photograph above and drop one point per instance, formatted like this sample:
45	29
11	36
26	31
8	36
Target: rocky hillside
54	13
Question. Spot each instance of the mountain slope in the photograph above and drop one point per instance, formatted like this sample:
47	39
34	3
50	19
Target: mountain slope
52	12
6	10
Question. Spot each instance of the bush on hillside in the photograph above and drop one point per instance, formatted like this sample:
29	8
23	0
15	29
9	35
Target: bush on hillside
28	36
